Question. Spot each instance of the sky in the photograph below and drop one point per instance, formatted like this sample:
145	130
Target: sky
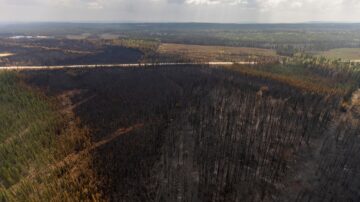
221	11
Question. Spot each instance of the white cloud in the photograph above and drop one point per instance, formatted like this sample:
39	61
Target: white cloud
90	4
289	4
182	10
214	2
95	4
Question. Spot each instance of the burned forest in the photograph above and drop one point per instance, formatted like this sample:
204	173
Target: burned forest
193	133
180	112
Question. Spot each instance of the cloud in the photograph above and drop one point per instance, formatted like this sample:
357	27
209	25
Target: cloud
182	10
90	4
20	2
95	4
214	2
291	4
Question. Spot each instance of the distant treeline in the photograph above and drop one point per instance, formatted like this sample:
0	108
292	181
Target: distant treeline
287	39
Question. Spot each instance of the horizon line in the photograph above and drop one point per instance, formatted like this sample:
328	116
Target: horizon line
172	22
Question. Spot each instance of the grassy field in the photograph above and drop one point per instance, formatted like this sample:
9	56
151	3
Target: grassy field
34	138
352	54
214	53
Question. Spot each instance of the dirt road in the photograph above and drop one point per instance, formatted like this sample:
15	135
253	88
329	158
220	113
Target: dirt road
122	65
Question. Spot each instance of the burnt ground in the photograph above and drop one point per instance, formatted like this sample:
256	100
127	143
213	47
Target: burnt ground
108	55
68	52
206	135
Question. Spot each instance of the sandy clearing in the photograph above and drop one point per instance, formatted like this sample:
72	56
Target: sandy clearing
5	55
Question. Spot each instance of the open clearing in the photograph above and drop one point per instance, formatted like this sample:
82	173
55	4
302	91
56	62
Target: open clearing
78	37
216	53
352	54
2	55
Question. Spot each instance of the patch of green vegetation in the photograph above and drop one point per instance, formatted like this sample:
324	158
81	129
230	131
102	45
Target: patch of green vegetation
342	53
33	138
202	53
27	123
140	44
285	69
310	74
